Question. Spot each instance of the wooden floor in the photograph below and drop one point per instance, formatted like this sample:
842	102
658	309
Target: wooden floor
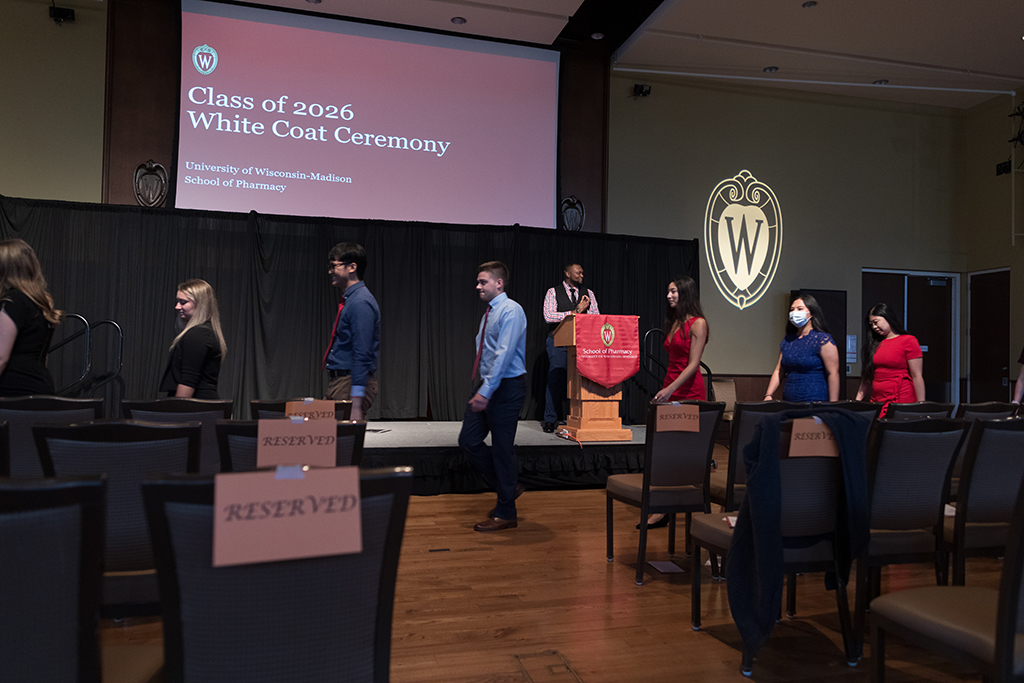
540	603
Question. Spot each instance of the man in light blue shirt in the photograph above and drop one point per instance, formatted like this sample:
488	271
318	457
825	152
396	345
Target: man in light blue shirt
499	373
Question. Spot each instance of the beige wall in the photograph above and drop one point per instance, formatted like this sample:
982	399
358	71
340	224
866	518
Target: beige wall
860	184
982	206
51	100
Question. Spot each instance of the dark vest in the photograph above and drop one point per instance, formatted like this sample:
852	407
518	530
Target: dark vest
562	303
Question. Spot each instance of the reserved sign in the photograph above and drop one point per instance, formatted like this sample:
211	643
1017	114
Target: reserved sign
311	409
678	417
263	517
296	441
812	437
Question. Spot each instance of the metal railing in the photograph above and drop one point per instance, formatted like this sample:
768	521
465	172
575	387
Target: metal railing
83	384
648	361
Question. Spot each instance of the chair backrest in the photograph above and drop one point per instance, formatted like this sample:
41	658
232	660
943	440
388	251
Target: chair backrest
909	463
865	408
810	495
266	410
51	532
339	608
237	440
174	410
745	420
993	471
128	453
972	412
1010	613
681	458
990	410
915	411
22	413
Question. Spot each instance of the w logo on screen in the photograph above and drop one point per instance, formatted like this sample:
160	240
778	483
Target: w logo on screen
743	238
204	59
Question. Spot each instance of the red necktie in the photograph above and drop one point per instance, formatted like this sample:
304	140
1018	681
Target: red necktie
480	348
334	330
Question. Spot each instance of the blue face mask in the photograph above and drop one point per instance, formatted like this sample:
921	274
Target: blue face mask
799	318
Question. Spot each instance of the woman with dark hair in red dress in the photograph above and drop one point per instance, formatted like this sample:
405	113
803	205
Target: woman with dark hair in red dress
686	334
893	362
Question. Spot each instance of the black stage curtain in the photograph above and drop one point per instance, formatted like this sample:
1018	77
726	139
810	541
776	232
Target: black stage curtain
270	274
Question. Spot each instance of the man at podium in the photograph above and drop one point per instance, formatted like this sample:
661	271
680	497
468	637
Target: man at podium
561	300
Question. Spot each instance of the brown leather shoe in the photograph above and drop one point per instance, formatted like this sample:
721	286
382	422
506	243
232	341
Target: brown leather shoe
496	524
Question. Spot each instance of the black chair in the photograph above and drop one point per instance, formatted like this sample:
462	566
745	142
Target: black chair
677	466
810	495
727	489
174	410
127	453
325	619
915	411
979	626
237	441
993	470
265	410
908	465
865	408
51	532
972	412
22	413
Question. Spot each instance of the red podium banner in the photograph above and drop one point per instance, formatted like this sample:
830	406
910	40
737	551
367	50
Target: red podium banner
607	347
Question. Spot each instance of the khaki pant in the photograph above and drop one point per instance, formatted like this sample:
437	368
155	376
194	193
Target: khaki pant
340	389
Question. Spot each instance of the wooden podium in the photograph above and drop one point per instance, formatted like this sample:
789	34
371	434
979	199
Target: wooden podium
593	409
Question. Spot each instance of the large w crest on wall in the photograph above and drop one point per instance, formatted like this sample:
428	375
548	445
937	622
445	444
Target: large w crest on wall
743	238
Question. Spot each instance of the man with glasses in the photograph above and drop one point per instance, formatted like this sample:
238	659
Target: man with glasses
351	359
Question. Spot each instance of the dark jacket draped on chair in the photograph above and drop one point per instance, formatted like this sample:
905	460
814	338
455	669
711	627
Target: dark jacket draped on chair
754	572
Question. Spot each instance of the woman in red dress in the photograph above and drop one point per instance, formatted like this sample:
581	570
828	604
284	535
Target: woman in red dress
686	334
893	364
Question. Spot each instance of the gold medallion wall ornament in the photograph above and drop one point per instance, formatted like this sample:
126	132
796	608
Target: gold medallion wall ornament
743	238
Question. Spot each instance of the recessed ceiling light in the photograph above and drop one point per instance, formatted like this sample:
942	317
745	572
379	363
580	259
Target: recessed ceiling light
458	21
770	69
313	2
597	35
809	4
881	81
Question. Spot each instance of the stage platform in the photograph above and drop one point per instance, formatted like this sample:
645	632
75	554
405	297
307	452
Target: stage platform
546	461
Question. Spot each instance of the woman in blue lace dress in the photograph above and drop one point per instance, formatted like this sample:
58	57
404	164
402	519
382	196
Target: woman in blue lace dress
808	357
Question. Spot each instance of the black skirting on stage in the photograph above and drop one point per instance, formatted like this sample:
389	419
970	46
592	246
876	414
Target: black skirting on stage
545	460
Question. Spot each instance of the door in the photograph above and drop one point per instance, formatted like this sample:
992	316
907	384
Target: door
988	336
929	318
927	303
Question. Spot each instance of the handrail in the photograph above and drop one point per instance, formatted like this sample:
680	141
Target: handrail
87	356
109	377
646	359
88	348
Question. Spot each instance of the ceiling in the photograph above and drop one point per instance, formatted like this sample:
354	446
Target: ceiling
935	52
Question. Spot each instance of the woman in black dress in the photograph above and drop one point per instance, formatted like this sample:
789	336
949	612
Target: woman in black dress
197	351
27	318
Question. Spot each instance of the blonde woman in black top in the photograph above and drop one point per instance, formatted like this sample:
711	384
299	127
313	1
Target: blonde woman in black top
196	353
